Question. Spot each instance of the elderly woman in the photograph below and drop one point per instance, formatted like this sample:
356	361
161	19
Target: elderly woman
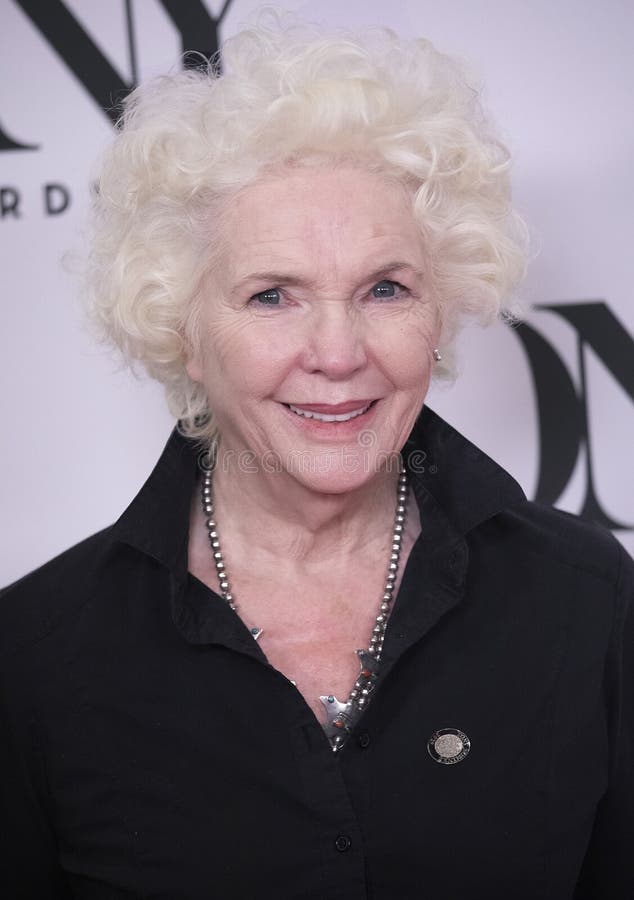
330	650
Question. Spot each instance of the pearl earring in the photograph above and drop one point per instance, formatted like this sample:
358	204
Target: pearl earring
437	355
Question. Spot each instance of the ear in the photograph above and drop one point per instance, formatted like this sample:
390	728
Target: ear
194	364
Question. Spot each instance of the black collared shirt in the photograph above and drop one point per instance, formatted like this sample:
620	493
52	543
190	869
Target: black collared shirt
149	750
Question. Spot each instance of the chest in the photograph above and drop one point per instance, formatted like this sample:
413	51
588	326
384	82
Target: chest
209	769
309	625
311	629
320	660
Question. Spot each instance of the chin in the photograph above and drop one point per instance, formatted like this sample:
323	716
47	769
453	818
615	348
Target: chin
341	471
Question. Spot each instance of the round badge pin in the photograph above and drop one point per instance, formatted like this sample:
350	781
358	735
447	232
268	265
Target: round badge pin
448	746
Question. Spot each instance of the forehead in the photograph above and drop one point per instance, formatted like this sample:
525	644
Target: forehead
321	213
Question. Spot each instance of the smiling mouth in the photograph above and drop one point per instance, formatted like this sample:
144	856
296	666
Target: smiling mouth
330	417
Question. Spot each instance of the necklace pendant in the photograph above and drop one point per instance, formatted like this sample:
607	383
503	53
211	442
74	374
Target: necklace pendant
255	633
333	707
369	664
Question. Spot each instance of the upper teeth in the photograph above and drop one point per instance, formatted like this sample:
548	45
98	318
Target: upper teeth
322	417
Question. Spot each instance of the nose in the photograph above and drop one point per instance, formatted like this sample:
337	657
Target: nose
335	341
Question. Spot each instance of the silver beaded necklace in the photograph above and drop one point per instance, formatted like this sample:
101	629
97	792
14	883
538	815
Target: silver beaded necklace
341	717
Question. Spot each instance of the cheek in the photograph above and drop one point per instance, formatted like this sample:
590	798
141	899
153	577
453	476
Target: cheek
406	352
242	357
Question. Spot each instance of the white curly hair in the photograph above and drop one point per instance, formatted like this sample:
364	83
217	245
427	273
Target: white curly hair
291	93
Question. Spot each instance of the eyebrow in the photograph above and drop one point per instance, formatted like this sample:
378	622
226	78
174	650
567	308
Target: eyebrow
281	277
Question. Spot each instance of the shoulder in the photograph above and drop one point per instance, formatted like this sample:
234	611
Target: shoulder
41	601
548	561
556	580
565	540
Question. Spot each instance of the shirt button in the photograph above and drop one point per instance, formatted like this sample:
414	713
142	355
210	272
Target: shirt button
342	843
364	740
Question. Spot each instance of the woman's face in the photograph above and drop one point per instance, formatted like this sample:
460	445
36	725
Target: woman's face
321	303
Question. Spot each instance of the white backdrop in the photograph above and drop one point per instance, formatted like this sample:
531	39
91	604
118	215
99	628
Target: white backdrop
80	435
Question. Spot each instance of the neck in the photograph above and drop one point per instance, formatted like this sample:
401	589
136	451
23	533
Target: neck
276	516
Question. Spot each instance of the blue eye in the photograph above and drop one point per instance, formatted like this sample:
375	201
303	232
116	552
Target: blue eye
386	290
271	297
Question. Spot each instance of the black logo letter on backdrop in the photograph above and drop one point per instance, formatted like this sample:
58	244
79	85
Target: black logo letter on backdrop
9	202
198	30
56	199
8	143
562	411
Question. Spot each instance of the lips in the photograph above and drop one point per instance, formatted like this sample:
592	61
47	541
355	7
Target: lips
329	417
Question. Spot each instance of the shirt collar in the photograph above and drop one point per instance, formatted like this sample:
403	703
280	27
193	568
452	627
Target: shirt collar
448	473
157	520
466	484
